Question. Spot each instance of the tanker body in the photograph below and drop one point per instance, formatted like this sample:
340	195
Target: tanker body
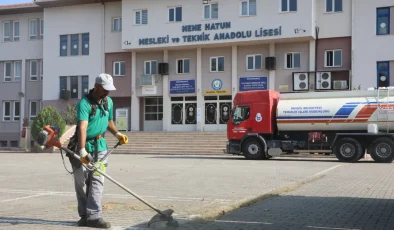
265	124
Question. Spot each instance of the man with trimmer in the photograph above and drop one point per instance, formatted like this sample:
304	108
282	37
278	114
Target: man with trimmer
94	117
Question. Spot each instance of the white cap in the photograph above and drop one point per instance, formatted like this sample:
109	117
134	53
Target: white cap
106	81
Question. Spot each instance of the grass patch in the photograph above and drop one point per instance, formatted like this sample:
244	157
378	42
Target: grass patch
212	215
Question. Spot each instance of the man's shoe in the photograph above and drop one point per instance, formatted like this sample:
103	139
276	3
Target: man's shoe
82	221
98	223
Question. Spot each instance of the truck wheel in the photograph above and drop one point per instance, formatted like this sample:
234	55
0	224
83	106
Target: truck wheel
382	150
252	149
348	150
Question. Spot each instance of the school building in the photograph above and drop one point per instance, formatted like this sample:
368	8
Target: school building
177	64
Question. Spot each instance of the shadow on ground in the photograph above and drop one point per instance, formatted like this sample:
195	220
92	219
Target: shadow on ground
16	221
302	212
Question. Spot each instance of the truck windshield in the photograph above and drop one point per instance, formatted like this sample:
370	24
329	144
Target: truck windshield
241	113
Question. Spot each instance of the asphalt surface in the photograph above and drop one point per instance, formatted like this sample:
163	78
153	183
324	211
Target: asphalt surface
312	192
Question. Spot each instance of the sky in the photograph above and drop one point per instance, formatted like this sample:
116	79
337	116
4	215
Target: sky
6	2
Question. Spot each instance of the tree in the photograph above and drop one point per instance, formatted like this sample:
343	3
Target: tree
70	114
48	116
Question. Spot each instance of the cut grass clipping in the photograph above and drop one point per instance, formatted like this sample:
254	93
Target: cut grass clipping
211	215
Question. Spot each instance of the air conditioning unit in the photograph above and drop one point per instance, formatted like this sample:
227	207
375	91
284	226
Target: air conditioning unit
323	80
300	81
340	84
147	80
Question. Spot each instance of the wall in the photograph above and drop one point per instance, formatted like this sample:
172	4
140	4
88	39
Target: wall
334	24
243	51
284	76
344	43
72	20
122	83
113	40
368	48
268	16
147	56
173	55
208	76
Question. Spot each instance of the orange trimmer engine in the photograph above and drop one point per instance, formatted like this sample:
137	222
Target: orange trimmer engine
49	137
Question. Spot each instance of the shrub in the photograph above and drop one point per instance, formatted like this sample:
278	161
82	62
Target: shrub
48	116
70	114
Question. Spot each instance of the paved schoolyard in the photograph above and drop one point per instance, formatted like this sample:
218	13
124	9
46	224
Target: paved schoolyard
37	193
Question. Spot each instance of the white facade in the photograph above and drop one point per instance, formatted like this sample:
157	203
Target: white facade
129	39
371	47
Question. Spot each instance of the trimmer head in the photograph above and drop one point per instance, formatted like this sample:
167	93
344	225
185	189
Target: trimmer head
165	216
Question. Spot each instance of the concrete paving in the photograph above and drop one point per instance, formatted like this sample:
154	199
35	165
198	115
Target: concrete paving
37	193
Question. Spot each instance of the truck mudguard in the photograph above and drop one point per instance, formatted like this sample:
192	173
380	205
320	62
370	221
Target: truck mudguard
262	140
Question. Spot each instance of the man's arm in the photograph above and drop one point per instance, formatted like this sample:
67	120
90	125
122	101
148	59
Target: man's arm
83	125
112	127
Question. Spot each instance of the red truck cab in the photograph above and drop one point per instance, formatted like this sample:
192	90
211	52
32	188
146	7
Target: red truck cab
251	129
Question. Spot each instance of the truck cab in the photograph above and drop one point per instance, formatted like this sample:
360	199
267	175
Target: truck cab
252	125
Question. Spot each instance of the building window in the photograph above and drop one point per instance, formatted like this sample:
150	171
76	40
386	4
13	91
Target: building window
42	69
254	62
63	86
150	67
63	45
7	71
74	44
292	60
211	11
175	14
33	70
42	27
17	70
85	44
17	111
217	64
248	7
119	68
6	111
16	31
383	21
383	74
32	29
333	58
289	5
153	109
116	24
6	31
76	41
182	66
141	17
333	5
32	110
74	86
85	84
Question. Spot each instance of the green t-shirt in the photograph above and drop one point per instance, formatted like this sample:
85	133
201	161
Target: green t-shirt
96	125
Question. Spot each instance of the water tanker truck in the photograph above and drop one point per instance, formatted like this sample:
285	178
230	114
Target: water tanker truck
349	124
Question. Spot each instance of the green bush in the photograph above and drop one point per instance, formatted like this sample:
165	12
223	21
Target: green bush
48	116
70	114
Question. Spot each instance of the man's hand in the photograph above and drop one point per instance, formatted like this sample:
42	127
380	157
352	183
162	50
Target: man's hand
86	158
123	139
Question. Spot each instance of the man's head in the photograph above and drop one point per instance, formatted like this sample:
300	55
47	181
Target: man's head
104	83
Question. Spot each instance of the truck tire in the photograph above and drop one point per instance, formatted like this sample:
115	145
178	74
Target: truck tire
252	149
348	150
382	150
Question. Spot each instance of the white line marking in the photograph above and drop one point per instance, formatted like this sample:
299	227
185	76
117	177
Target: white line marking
327	170
241	222
332	228
25	197
120	196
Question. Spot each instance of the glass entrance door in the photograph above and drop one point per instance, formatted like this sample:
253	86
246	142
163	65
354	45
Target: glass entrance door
183	114
153	114
217	112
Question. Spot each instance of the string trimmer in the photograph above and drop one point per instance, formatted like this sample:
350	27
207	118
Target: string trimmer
49	138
